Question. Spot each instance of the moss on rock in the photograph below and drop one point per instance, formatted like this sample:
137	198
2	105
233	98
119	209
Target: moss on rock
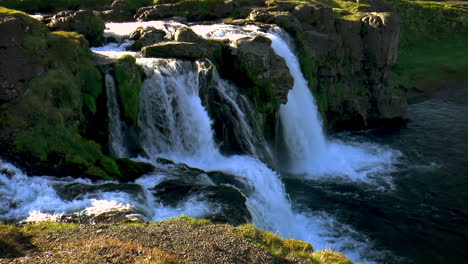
41	130
129	77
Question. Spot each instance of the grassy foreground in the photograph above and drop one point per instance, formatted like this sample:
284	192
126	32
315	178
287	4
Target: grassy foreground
179	240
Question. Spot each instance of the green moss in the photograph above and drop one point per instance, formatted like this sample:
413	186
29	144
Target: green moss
44	125
46	227
330	257
191	220
131	170
279	247
433	43
129	76
110	167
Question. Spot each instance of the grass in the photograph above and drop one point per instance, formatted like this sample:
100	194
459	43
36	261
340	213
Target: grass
191	221
290	248
433	43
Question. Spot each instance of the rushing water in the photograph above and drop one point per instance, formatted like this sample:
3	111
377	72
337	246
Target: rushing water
346	193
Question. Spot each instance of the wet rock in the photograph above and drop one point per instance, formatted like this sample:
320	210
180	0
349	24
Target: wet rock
132	170
186	34
183	182
178	50
146	37
256	60
83	21
111	217
18	65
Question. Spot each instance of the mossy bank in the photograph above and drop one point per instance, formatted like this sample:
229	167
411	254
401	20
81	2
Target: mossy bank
52	89
180	240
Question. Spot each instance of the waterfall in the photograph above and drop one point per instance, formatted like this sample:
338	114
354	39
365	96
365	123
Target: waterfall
116	140
173	122
241	114
311	155
301	125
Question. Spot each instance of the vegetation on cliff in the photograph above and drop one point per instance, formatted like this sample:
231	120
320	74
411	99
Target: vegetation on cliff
433	44
129	77
42	130
179	240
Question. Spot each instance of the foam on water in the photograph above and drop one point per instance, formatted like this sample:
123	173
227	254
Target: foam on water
25	198
175	125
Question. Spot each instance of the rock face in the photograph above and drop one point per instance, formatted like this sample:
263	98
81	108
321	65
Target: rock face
255	59
17	65
347	62
83	21
192	10
146	37
179	50
187	46
185	182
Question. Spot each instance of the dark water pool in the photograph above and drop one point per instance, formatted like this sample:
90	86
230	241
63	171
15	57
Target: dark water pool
423	218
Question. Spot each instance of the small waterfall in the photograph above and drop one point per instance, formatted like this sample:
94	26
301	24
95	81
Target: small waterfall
172	119
301	125
240	112
116	140
310	153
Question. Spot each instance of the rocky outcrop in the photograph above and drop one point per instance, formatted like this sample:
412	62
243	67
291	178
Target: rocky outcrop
264	69
119	12
382	34
18	66
187	46
346	61
195	11
83	21
192	10
146	37
178	50
184	182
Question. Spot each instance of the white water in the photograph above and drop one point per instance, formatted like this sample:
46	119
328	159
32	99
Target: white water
116	140
310	153
175	125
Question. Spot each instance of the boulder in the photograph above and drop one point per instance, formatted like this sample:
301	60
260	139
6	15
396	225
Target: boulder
18	65
256	60
284	19
183	182
119	12
187	45
83	21
178	50
146	37
382	35
192	10
186	34
315	17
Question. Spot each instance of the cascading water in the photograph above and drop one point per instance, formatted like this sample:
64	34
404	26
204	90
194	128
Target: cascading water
175	125
116	139
310	153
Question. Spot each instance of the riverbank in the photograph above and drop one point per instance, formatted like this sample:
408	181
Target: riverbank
180	240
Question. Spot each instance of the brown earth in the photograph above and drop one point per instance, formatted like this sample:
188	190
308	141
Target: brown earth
183	240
